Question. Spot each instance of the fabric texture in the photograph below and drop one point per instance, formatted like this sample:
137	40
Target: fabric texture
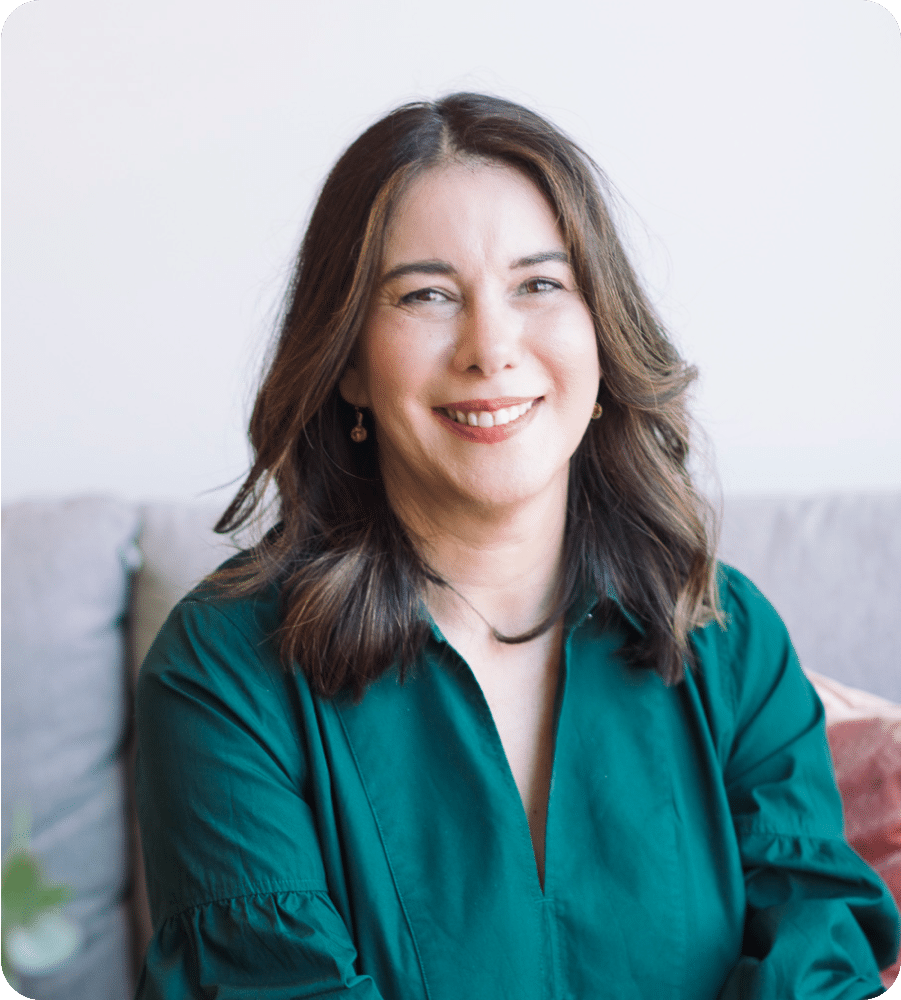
66	569
297	847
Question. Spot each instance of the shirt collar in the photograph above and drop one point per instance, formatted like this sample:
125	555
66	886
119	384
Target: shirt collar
587	601
624	611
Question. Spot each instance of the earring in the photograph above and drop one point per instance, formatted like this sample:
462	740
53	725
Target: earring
597	411
359	432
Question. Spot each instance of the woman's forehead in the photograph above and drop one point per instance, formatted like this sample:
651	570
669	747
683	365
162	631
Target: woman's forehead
481	208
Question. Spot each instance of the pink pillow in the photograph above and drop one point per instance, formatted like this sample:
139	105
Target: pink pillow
864	734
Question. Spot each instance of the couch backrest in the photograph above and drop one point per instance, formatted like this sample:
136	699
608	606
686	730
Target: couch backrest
178	548
831	565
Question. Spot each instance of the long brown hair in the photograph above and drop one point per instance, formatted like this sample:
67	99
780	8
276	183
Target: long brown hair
350	575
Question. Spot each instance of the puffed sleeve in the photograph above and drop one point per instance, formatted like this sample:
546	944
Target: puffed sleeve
236	883
819	922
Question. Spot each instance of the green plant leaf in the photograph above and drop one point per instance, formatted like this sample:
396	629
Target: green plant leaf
24	894
21	881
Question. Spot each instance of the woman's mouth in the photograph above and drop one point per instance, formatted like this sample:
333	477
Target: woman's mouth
487	421
488	418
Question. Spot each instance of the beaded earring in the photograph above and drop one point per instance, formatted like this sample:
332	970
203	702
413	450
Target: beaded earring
359	432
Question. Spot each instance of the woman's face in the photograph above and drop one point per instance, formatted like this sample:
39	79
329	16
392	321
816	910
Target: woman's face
478	358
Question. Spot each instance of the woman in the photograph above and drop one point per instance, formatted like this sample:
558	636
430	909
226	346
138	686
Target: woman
481	716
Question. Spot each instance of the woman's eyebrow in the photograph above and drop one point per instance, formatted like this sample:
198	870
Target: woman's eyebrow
443	267
541	258
418	267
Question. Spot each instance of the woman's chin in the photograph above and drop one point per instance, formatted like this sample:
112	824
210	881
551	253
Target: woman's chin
489	494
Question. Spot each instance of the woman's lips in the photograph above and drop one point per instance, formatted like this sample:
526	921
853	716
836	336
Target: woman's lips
478	417
487	421
499	402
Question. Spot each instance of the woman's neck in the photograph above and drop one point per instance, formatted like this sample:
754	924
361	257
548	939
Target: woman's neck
503	570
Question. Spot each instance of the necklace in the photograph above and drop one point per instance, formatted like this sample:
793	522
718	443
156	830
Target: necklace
499	637
533	633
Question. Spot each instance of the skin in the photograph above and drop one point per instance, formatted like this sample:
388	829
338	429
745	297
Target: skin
478	302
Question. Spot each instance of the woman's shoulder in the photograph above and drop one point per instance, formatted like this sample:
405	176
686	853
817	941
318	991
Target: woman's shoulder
748	619
219	628
225	592
744	658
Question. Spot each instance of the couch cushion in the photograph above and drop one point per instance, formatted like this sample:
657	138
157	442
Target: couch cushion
831	565
179	548
864	734
66	567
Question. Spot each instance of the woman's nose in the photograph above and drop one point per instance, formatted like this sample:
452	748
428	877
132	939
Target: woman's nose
489	337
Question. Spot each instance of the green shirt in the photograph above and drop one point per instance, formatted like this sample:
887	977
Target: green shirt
303	847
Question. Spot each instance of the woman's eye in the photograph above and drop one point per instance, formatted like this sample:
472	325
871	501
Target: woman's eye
424	295
535	285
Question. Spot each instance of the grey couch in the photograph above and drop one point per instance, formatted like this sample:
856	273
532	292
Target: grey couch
88	581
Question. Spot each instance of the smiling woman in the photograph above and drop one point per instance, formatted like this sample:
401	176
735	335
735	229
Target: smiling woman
500	331
376	225
602	771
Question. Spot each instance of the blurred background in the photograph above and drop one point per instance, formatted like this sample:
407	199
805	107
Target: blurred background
159	161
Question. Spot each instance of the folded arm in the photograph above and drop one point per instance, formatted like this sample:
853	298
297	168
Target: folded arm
237	888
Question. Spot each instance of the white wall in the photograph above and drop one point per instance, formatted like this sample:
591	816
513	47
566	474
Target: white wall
159	159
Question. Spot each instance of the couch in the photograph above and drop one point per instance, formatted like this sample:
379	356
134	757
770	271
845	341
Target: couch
88	581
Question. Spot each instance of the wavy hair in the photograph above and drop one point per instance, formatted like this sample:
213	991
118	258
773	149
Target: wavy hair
350	575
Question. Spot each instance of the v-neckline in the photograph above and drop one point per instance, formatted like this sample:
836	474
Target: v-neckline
540	872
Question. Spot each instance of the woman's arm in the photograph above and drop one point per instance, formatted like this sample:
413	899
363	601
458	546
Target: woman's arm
237	888
819	921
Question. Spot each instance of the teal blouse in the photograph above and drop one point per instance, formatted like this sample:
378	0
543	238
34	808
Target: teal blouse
303	847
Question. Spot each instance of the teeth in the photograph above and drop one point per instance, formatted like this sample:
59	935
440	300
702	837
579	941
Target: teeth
483	418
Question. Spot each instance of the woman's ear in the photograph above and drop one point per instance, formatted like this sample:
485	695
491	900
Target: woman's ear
352	388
